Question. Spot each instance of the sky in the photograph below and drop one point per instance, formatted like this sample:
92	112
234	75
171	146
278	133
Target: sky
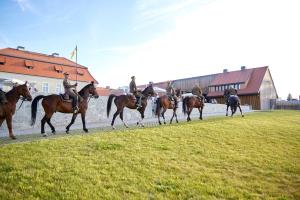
159	40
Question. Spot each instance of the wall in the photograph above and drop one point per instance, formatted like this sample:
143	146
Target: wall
96	116
267	92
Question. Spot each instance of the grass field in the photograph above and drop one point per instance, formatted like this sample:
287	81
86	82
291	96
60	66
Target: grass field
256	157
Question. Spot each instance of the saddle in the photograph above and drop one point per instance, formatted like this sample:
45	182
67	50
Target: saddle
66	98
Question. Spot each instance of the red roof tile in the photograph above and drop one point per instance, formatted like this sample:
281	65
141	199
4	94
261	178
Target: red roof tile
241	76
103	91
43	65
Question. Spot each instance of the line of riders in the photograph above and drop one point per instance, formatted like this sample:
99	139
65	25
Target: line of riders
70	92
80	100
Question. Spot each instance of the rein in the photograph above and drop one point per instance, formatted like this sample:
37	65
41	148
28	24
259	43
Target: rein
23	99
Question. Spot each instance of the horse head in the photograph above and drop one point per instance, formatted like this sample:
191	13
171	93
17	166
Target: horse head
88	90
22	90
92	90
149	91
178	92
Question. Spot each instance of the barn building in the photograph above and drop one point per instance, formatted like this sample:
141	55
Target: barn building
255	86
43	71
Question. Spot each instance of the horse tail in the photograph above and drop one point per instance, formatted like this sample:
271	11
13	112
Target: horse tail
34	108
109	102
184	105
158	106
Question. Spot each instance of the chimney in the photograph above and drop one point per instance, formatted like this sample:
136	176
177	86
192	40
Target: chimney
55	54
225	70
20	48
243	68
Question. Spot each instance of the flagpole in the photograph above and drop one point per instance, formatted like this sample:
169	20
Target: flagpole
76	64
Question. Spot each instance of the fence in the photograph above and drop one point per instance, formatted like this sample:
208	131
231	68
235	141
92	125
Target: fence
288	105
96	116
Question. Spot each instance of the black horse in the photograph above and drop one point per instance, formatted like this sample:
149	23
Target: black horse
129	101
233	101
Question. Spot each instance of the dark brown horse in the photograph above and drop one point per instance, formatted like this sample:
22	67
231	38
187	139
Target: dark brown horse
129	101
54	103
233	101
8	110
165	103
191	102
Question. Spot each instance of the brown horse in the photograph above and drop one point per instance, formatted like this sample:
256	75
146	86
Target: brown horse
233	101
129	101
8	110
165	103
54	103
191	102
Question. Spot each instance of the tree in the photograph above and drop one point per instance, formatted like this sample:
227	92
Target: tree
289	98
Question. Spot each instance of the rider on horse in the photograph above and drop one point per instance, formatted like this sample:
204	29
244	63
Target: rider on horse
197	91
133	90
3	99
69	92
171	93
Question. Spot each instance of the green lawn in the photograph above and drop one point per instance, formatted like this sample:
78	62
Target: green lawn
256	157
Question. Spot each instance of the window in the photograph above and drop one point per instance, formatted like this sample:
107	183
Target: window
58	88
29	64
2	60
45	88
58	68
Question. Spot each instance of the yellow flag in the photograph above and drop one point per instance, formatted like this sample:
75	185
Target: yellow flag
74	52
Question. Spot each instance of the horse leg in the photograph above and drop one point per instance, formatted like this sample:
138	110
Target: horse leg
174	110
227	110
121	117
175	116
1	121
114	117
232	110
43	121
51	126
163	115
158	116
189	113
9	126
83	122
142	117
241	111
72	122
200	112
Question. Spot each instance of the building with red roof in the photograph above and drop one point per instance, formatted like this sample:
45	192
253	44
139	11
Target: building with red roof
43	71
255	86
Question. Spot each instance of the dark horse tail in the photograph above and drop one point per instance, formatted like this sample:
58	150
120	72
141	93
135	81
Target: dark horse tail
184	105
108	107
158	106
34	108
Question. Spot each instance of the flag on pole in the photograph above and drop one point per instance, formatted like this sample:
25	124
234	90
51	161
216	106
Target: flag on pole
74	52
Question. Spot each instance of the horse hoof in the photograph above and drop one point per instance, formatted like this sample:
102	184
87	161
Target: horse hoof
44	135
54	132
242	115
13	137
67	131
86	130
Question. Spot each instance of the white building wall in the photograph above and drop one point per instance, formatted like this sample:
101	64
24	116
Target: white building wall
267	92
38	81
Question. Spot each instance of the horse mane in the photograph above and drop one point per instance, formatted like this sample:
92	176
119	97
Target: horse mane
10	92
81	92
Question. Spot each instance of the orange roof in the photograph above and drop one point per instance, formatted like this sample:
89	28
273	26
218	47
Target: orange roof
103	91
37	64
